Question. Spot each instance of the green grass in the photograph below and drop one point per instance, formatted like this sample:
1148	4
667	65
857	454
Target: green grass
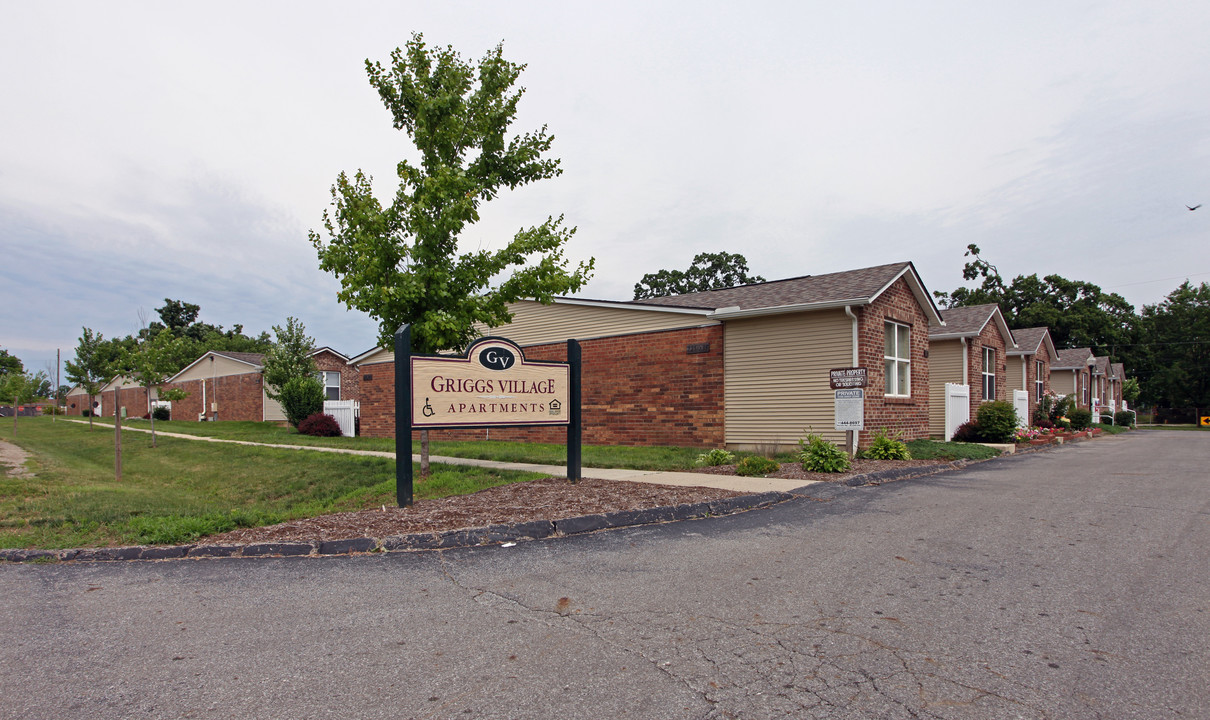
934	450
184	489
1111	429
612	456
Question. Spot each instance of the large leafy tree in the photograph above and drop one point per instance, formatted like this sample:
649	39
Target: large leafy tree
1078	314
10	363
1175	368
153	362
399	262
709	271
91	367
20	387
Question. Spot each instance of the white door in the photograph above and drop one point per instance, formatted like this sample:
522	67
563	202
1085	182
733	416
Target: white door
957	407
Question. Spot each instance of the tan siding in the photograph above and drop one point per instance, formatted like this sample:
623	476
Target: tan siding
1014	369
272	409
945	366
537	324
221	367
776	371
1063	382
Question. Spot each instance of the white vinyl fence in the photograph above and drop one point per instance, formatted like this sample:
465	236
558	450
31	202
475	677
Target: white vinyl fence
345	412
1021	405
957	407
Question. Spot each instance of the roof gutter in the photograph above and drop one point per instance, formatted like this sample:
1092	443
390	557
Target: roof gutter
731	313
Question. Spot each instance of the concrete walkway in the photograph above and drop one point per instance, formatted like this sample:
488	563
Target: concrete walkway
655	477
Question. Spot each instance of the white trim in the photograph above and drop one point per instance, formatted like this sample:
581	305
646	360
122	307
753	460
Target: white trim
207	354
731	313
632	305
918	289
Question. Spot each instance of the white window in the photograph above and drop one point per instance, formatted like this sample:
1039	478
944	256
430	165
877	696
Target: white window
898	359
989	373
1039	382
331	382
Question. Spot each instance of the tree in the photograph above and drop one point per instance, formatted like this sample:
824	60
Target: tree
153	363
9	363
301	397
1078	314
1176	368
400	263
91	368
290	357
709	271
20	387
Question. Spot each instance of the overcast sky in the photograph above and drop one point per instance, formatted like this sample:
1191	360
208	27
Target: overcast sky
183	150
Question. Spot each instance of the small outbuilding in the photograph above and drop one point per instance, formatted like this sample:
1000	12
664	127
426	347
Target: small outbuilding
224	386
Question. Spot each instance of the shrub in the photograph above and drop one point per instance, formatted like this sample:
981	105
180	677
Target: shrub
967	432
885	446
1125	418
756	466
1045	424
716	457
320	425
161	412
301	397
819	455
1080	418
996	421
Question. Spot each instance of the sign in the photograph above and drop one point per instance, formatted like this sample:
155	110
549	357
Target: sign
855	377
1205	421
492	385
850	409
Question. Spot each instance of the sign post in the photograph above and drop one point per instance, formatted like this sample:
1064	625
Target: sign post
491	385
849	402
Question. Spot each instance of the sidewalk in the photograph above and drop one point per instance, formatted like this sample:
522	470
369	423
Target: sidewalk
735	483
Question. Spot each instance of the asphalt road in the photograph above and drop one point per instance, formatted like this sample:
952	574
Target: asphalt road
1065	584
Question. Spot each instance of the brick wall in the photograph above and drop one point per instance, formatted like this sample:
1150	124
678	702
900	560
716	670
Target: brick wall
990	337
908	416
641	389
133	398
350	378
239	397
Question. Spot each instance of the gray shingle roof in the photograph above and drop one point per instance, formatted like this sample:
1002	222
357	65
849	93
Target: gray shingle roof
1103	366
858	285
1119	372
1029	339
250	358
1072	358
965	320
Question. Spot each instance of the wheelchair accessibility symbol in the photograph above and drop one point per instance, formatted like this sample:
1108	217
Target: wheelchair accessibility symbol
428	409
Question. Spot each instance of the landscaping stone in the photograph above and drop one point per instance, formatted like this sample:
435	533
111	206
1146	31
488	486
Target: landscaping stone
352	545
284	549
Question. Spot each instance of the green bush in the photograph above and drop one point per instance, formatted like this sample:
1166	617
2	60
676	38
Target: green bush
996	421
885	446
967	432
1080	418
819	455
301	397
161	412
1124	418
716	457
756	466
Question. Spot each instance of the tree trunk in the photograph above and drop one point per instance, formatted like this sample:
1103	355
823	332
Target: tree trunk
152	416
92	410
424	453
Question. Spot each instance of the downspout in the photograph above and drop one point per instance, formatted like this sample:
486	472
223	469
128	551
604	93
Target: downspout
966	362
848	310
1024	374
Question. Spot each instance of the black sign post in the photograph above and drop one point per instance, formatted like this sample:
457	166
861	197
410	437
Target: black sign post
403	416
575	427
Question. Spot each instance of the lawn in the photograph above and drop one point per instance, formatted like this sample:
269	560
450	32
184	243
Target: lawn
184	489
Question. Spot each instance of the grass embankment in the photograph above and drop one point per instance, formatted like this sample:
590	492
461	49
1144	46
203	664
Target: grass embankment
933	450
186	489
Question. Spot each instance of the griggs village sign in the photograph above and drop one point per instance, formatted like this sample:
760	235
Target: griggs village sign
490	385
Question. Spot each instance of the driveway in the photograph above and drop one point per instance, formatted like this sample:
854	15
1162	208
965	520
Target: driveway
1064	584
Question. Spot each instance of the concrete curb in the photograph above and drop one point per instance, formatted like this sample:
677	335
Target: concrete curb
491	535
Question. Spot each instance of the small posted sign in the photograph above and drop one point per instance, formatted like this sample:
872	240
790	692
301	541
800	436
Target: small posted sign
843	378
850	409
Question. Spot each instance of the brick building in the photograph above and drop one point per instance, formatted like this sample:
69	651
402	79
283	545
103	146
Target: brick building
744	367
1029	364
969	349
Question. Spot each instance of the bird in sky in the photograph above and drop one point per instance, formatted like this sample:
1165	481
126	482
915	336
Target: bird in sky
1191	209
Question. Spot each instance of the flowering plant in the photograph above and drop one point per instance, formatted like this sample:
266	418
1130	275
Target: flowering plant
1024	435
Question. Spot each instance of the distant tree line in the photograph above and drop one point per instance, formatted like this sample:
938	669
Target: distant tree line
1165	346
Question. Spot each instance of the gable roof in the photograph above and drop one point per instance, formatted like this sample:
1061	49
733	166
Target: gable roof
1072	358
1118	372
809	292
1102	367
968	322
1031	340
255	360
325	348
